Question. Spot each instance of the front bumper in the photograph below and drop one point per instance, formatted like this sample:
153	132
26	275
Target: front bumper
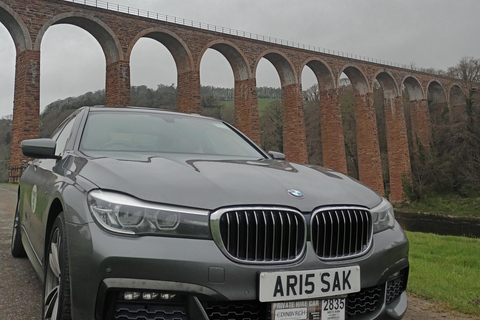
206	284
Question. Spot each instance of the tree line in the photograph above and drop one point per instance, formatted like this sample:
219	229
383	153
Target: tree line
451	164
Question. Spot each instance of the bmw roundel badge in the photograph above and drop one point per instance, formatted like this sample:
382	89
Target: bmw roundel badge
296	194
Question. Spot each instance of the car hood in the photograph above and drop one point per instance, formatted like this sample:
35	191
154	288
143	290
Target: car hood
214	182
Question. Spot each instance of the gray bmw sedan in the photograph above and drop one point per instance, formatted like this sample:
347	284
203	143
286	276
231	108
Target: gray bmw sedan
131	213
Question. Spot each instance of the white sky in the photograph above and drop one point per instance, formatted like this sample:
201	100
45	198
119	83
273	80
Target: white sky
430	33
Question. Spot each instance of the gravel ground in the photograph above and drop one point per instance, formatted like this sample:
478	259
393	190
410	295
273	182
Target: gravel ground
21	291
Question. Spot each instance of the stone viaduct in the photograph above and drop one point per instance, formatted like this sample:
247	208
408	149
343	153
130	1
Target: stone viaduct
118	31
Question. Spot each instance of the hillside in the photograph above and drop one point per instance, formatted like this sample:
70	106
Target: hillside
217	102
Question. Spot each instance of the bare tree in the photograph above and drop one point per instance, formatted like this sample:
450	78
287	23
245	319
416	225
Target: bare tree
271	127
468	70
311	94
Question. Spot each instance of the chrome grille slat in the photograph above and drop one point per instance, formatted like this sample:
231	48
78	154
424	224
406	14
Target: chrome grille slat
362	228
255	214
296	233
339	233
281	234
331	231
350	223
238	233
260	235
345	233
247	236
356	232
228	236
324	233
274	229
265	234
289	234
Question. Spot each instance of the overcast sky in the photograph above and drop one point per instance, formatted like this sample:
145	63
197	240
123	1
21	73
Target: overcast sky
429	33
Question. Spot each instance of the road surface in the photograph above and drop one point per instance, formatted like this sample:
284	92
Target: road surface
20	289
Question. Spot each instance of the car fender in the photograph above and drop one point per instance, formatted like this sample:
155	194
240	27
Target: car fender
74	200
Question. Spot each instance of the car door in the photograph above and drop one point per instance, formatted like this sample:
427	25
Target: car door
44	182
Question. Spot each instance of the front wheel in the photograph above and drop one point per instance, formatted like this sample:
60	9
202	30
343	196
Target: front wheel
16	248
56	292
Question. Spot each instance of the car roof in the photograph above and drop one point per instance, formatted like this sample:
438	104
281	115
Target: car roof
100	108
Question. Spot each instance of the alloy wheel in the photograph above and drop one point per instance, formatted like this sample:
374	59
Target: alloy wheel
53	277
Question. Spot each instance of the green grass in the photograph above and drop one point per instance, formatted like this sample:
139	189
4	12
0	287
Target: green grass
445	204
446	270
9	184
262	103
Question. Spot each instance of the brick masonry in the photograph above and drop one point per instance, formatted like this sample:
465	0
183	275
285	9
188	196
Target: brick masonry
333	145
294	136
246	109
117	89
188	92
397	141
421	128
117	33
369	160
26	110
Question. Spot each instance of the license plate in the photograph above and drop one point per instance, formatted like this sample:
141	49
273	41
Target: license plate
326	309
308	284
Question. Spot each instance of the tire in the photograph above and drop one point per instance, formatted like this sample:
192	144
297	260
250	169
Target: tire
56	287
16	248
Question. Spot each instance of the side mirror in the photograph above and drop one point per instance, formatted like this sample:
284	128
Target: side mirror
276	155
39	148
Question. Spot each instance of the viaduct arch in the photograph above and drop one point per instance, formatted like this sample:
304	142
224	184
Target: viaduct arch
27	22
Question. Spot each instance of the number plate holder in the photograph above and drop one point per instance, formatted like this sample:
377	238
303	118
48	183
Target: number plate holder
308	284
325	309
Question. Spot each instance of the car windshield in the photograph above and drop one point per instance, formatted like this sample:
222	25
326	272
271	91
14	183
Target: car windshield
145	132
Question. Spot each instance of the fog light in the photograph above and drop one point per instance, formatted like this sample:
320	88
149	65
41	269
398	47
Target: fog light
149	295
131	295
167	296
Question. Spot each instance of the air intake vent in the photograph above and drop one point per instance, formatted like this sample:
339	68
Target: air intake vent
339	233
364	303
396	286
260	235
236	310
146	311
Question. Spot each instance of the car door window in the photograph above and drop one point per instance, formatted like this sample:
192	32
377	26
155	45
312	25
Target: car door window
63	137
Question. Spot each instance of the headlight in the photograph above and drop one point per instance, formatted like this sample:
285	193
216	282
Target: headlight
123	214
383	216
